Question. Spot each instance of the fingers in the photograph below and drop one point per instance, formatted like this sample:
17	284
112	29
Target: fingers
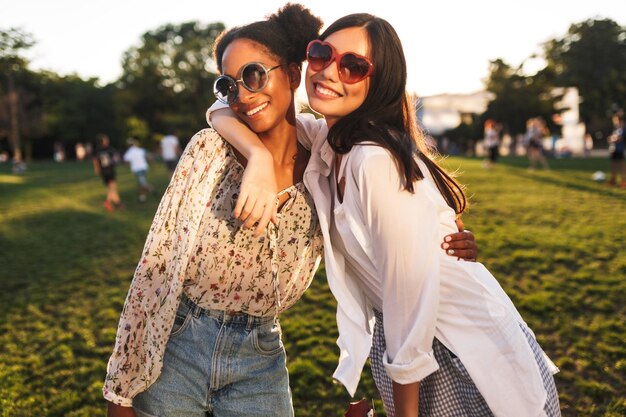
241	203
251	213
256	210
256	204
461	245
465	238
465	254
269	213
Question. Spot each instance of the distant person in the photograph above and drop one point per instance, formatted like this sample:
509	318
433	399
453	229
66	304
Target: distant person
137	157
588	145
491	142
80	150
554	152
445	145
535	132
88	150
170	151
59	152
104	161
617	141
19	166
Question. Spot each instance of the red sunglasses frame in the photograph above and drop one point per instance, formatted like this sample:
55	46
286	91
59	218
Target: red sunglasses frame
335	57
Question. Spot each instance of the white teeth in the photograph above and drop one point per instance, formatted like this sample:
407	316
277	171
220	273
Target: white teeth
256	109
326	91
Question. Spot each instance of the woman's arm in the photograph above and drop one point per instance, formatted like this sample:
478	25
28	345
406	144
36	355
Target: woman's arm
114	410
406	399
256	202
257	198
96	167
403	231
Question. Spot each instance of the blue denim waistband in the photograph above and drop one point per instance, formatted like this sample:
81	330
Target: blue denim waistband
234	317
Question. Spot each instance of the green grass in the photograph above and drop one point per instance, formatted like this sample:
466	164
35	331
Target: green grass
553	239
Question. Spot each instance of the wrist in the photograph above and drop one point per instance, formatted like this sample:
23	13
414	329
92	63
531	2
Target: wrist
259	154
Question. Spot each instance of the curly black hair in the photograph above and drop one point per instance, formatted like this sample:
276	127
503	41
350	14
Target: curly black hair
285	34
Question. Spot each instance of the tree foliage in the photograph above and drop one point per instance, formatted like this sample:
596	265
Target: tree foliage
167	80
592	57
12	42
166	86
76	110
518	97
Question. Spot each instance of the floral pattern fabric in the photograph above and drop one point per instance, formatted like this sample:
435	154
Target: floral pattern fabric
233	271
195	246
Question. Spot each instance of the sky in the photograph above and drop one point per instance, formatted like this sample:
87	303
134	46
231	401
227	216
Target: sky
448	43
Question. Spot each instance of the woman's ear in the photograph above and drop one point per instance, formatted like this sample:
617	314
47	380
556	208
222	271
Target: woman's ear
295	75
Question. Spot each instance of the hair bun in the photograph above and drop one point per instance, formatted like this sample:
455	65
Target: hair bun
300	25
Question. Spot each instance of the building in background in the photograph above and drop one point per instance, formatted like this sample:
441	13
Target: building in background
443	112
572	138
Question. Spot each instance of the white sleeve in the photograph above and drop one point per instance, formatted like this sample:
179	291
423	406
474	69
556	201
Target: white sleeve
311	131
215	106
404	236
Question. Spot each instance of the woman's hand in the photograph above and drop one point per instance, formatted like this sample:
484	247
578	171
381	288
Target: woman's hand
256	203
461	244
114	410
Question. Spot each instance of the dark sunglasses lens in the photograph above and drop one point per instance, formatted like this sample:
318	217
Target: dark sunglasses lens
225	89
254	77
319	56
353	68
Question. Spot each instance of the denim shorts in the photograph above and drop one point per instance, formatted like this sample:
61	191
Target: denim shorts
142	177
222	365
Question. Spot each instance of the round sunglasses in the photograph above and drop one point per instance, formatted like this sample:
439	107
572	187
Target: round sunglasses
352	67
254	77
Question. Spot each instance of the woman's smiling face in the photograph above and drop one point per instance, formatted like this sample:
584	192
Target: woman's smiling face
265	109
327	94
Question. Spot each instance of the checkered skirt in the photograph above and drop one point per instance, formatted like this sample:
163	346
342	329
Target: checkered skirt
450	391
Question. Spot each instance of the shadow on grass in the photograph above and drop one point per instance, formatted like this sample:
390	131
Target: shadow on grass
51	250
64	280
565	173
594	188
579	164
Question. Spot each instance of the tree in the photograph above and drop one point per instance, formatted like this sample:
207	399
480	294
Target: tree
76	110
167	81
518	97
465	135
592	57
12	42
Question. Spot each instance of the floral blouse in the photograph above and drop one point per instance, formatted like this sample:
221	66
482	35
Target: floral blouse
195	246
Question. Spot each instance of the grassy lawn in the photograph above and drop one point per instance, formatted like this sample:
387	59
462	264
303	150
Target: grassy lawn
554	239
